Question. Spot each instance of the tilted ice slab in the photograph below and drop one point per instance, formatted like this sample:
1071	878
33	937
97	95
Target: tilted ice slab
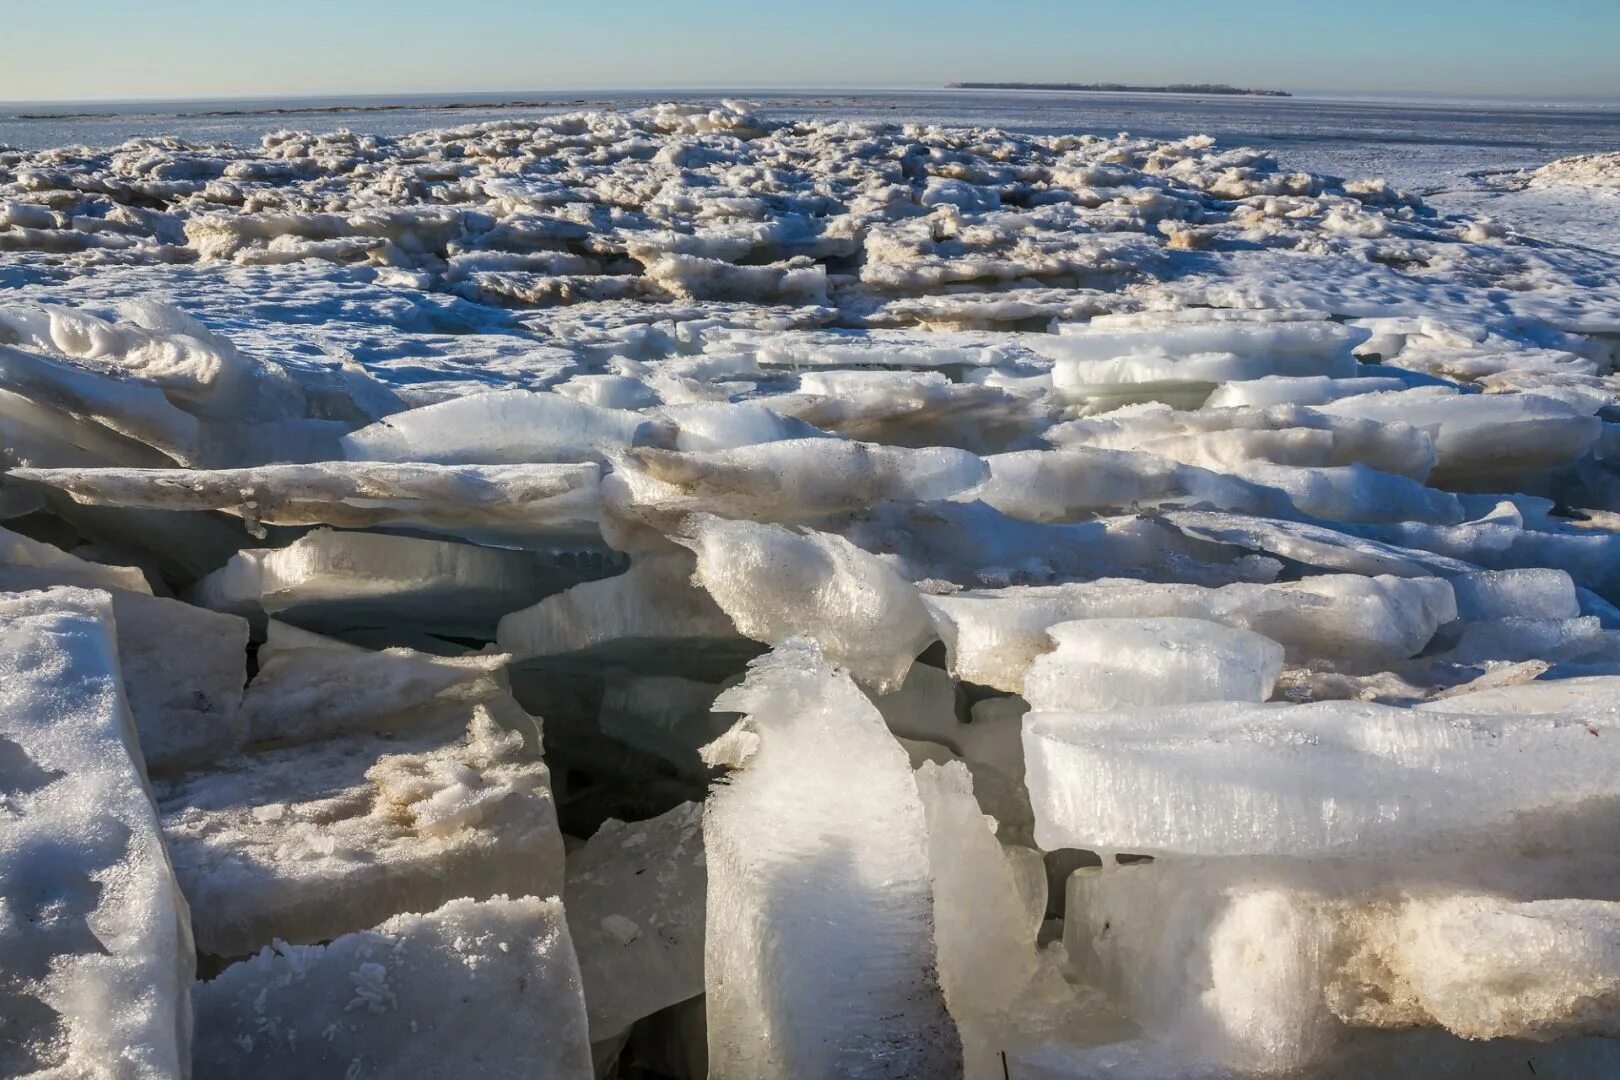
638	615
820	957
182	667
1106	664
137	411
325	838
1483	439
345	579
635	894
310	687
96	958
993	636
1004	995
776	583
491	986
497	428
1221	438
788	481
1333	777
1182	365
1358	549
514	504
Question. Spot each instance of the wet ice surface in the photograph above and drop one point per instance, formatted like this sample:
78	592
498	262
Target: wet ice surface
805	597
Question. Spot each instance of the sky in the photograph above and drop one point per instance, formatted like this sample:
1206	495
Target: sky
107	50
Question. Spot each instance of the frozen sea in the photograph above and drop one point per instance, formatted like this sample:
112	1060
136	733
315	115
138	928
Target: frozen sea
1256	507
1461	155
1424	145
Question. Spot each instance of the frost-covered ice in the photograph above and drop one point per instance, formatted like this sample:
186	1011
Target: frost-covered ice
307	842
491	985
97	961
1039	503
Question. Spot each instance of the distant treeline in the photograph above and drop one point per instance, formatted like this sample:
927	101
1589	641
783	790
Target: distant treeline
1178	88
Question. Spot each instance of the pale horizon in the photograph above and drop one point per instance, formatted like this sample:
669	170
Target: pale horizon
185	50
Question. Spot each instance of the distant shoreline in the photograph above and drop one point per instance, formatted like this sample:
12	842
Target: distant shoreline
302	110
1122	88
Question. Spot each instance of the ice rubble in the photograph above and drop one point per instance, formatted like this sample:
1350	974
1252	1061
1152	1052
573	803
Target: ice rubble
661	593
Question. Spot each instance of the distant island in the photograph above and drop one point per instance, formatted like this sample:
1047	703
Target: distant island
1121	88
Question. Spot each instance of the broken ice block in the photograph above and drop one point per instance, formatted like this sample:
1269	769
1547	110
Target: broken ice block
136	410
1081	483
1339	777
1105	664
485	989
993	635
183	667
1003	993
820	955
504	427
1182	365
340	580
514	505
96	958
1484	439
634	894
1526	594
651	617
1267	967
312	841
788	481
777	583
311	687
26	563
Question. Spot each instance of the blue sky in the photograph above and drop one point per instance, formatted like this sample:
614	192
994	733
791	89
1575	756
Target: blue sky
87	50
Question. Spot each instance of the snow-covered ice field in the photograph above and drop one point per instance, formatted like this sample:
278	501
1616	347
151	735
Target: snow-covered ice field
769	591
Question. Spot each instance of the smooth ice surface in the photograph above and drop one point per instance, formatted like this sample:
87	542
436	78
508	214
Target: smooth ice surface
820	953
96	957
1345	777
325	838
339	580
635	894
490	985
477	502
497	429
649	606
1101	665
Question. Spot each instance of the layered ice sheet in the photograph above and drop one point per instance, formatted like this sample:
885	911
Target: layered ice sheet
1090	500
1329	777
